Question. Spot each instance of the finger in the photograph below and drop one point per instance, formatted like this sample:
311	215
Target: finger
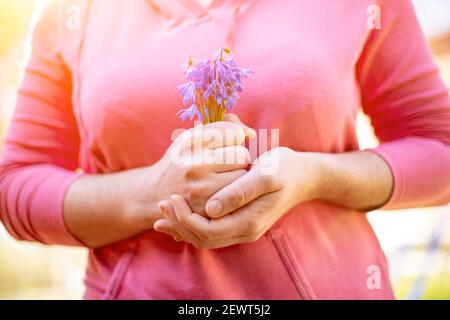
165	226
228	227
249	132
178	228
198	192
229	158
239	193
213	234
222	179
214	135
218	160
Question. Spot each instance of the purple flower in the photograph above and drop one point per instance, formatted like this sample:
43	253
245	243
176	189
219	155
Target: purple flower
187	91
212	86
189	65
190	113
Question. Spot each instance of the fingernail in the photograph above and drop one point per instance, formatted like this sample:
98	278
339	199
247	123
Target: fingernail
214	207
156	225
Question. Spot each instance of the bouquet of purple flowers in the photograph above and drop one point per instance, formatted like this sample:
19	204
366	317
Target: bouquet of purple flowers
213	87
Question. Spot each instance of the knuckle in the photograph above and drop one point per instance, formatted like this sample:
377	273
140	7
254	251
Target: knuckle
253	238
269	182
238	197
243	155
192	168
187	171
252	228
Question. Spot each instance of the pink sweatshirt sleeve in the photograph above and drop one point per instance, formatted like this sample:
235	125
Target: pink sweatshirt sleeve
41	148
409	107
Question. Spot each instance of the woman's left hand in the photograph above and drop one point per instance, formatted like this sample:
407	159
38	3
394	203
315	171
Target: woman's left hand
245	209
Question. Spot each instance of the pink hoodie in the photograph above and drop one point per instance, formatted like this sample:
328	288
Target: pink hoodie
103	98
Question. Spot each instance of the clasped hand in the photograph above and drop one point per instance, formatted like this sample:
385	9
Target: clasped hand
242	204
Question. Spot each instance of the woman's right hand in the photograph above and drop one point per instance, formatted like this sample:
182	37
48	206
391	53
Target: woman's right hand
198	163
203	160
105	208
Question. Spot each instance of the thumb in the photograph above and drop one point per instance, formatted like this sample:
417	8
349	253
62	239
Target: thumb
249	132
239	193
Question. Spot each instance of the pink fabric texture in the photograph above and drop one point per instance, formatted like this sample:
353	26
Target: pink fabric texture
103	98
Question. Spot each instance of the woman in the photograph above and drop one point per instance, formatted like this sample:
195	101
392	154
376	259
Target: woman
102	98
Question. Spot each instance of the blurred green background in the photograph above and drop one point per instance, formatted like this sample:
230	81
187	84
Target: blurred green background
416	242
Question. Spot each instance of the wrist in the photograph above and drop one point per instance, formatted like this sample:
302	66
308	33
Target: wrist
139	204
314	175
359	180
